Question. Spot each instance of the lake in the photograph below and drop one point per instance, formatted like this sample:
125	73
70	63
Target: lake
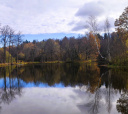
63	89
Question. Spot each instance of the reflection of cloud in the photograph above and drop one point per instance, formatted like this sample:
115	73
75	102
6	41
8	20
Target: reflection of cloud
97	102
54	101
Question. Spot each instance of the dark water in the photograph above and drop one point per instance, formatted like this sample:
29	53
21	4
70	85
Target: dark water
63	89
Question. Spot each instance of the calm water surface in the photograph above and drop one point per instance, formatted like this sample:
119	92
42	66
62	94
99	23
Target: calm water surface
63	89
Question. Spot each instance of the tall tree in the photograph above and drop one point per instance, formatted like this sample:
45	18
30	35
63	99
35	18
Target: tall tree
107	31
93	26
4	38
10	41
122	30
122	22
18	40
52	50
122	25
65	48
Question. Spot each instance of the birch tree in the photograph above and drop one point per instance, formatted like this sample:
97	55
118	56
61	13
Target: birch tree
93	26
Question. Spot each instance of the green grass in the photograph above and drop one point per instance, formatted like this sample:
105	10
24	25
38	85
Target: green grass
25	63
53	62
20	63
116	66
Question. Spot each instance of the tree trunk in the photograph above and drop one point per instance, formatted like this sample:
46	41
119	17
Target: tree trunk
109	56
5	53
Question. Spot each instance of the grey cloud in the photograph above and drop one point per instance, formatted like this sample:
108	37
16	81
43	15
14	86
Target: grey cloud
91	8
80	26
101	25
111	22
71	23
77	28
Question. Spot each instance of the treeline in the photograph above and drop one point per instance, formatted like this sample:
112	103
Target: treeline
76	49
9	39
67	49
70	49
110	47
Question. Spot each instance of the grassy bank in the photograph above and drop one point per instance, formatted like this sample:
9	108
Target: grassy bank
24	63
87	61
20	63
116	66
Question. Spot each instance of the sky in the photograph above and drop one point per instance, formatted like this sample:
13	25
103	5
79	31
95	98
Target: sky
44	18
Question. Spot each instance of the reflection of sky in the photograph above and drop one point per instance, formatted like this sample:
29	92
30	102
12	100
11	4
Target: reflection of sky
40	98
14	82
66	100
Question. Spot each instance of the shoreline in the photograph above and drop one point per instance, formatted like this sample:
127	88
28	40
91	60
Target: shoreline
49	62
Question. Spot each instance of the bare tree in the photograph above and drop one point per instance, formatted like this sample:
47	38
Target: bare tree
18	40
10	38
4	38
107	31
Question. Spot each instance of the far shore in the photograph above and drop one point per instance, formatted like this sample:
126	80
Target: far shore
48	62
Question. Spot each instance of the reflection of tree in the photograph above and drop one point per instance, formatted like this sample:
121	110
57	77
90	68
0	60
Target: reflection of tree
9	90
122	103
117	81
113	81
90	76
67	74
109	91
95	102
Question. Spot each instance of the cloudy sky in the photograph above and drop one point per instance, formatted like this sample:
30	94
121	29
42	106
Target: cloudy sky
34	17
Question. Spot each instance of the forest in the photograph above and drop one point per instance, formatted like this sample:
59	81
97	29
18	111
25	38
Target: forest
109	47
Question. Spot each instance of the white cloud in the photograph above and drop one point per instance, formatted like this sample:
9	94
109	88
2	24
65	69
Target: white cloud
101	9
54	16
38	16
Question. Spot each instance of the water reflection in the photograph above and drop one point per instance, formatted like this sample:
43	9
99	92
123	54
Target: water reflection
85	88
9	90
122	103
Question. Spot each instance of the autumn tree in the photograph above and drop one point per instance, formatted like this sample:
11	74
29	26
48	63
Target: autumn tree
93	27
52	50
122	22
73	47
92	51
65	49
28	47
122	30
122	26
83	48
